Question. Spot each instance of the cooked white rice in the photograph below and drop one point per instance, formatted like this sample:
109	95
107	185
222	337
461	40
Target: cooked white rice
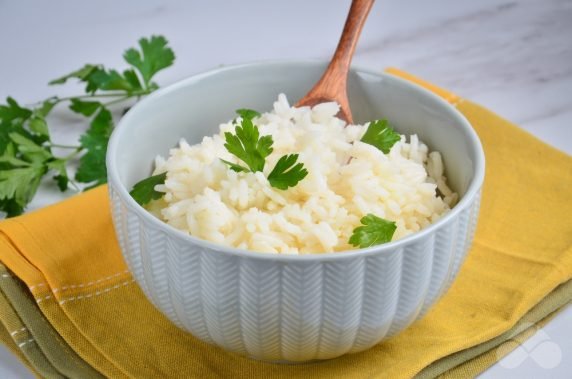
208	200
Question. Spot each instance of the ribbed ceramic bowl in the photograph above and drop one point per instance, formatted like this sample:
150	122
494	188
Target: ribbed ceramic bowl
290	308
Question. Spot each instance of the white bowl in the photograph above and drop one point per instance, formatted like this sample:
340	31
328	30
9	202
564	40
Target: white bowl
282	307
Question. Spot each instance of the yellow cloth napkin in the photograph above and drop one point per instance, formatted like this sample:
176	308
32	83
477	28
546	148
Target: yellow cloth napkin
68	257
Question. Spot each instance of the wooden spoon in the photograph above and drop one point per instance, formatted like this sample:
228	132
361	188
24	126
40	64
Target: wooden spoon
332	86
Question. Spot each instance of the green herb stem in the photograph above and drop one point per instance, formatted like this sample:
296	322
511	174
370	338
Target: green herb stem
122	95
73	155
121	99
75	186
59	146
104	95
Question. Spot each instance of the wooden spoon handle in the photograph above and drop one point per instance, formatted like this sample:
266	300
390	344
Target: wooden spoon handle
332	84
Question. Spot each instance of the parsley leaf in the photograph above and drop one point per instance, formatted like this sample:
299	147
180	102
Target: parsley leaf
86	108
9	160
110	80
97	77
374	231
12	119
153	57
247	113
18	186
39	126
287	173
82	74
247	145
144	191
235	167
132	78
46	107
12	111
380	135
30	150
92	164
11	207
62	179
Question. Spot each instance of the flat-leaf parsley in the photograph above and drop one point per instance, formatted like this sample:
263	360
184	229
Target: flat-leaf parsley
144	191
26	147
287	173
380	135
248	146
374	231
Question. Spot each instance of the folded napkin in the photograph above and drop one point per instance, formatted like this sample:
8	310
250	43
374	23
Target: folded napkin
69	307
38	341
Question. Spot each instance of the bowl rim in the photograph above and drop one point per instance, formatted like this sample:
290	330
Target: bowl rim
465	201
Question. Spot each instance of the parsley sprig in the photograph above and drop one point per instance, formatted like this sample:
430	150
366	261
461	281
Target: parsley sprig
374	231
26	146
380	135
248	146
144	191
287	173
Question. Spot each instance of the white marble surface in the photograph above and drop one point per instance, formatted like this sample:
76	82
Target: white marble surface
514	57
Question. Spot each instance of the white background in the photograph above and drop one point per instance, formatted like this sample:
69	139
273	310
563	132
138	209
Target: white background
514	57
